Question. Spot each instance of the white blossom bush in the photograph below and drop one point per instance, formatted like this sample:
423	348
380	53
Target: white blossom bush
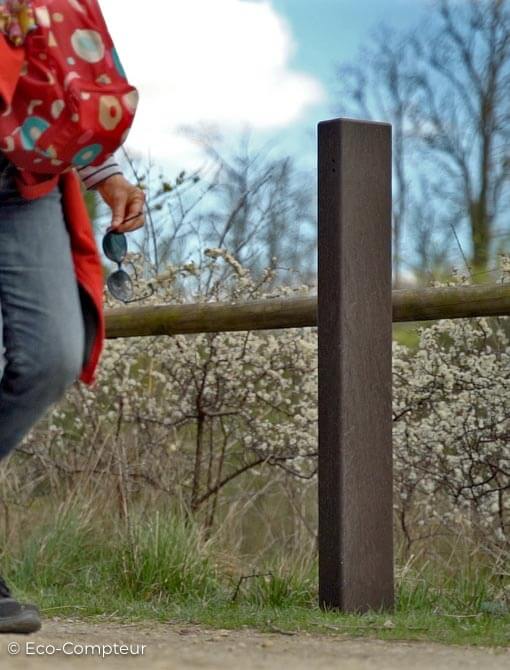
191	415
451	412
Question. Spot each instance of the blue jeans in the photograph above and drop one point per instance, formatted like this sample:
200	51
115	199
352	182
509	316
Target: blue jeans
42	326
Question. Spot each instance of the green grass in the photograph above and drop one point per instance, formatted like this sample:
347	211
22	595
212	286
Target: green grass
162	569
407	334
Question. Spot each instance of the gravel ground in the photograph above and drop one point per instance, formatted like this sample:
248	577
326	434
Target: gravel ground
172	646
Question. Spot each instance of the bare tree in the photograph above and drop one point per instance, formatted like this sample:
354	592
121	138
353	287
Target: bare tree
260	207
378	89
445	88
460	113
431	237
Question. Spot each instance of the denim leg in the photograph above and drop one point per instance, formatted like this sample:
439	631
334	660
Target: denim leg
42	327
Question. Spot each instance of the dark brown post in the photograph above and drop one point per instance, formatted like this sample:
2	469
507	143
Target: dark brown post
355	329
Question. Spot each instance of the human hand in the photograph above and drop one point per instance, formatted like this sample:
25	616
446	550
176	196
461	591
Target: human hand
126	202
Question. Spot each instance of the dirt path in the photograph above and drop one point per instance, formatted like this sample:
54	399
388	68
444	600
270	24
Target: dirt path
174	647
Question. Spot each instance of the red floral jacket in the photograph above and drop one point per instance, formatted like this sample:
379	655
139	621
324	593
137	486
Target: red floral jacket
86	257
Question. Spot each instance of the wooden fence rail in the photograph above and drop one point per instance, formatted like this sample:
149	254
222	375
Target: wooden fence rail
211	317
354	310
407	305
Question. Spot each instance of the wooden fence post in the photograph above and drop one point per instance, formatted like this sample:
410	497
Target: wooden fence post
355	331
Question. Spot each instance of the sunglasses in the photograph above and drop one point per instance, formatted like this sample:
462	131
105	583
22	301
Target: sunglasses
119	282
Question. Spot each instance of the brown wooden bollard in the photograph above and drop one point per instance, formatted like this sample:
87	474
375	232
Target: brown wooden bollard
355	333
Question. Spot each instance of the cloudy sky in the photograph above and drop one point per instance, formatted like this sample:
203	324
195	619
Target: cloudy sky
267	63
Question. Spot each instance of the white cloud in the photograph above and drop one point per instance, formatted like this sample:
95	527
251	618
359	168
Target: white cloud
223	62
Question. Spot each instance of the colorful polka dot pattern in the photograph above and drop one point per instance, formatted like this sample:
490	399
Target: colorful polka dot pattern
73	105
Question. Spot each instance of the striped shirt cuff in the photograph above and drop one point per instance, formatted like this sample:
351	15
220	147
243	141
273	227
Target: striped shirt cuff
93	175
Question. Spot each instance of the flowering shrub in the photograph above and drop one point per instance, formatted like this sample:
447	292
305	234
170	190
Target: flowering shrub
191	414
451	409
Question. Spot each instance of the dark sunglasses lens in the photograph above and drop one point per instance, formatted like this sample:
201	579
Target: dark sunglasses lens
120	285
115	246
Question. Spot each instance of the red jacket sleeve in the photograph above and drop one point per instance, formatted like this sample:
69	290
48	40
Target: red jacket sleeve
11	60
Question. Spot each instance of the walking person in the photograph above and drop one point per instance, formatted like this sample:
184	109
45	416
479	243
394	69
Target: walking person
60	142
